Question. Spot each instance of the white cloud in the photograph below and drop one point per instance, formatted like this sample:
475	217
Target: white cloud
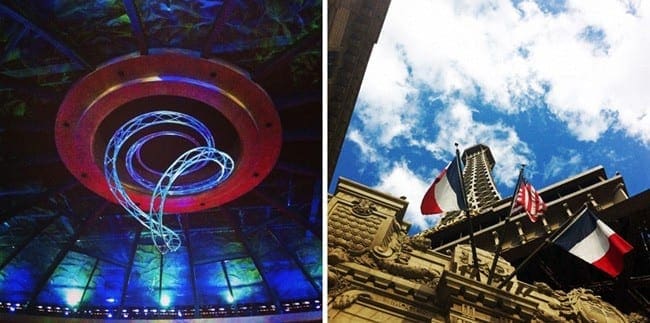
570	161
368	152
384	96
399	181
504	53
587	64
507	148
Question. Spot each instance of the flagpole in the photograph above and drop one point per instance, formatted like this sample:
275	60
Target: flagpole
547	240
497	252
469	215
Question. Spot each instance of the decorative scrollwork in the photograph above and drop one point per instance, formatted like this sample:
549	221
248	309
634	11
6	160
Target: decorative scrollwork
382	251
363	207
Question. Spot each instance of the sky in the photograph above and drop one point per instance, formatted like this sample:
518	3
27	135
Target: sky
561	86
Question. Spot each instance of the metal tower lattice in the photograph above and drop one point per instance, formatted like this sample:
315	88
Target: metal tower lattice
477	177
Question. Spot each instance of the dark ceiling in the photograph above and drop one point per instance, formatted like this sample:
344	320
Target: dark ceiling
64	250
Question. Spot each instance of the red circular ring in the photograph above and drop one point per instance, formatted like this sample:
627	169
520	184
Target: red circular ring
241	101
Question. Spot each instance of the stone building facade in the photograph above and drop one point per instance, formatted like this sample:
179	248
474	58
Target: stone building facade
376	272
353	30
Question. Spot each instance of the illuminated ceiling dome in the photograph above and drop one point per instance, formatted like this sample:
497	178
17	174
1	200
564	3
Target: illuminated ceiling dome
244	79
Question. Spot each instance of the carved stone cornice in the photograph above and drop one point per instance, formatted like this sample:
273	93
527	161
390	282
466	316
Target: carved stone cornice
411	300
494	302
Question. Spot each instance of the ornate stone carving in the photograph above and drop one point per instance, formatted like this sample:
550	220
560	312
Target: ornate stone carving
579	305
337	255
333	281
403	258
382	252
418	242
347	230
544	288
398	266
394	237
464	263
363	207
591	308
347	298
390	258
542	315
366	260
449	219
636	318
336	284
555	310
371	256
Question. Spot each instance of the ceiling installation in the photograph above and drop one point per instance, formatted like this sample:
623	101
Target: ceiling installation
161	159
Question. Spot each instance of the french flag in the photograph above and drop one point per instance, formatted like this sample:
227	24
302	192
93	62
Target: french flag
445	194
593	241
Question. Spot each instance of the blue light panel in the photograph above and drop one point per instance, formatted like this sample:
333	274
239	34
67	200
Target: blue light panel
176	278
108	240
19	278
211	284
67	283
214	245
307	249
144	280
15	231
246	282
281	272
105	287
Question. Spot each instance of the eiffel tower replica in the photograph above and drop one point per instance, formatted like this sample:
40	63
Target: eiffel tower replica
376	272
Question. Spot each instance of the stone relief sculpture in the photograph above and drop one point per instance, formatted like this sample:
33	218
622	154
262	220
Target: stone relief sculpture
394	260
580	305
393	256
347	298
353	227
558	309
591	308
336	285
337	255
464	263
422	275
363	207
448	219
636	318
418	242
388	256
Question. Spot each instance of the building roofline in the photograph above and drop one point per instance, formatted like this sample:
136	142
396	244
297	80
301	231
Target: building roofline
343	181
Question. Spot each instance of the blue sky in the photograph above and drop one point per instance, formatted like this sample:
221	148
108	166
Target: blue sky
561	86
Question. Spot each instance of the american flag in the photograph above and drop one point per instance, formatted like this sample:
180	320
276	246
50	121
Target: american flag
530	201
